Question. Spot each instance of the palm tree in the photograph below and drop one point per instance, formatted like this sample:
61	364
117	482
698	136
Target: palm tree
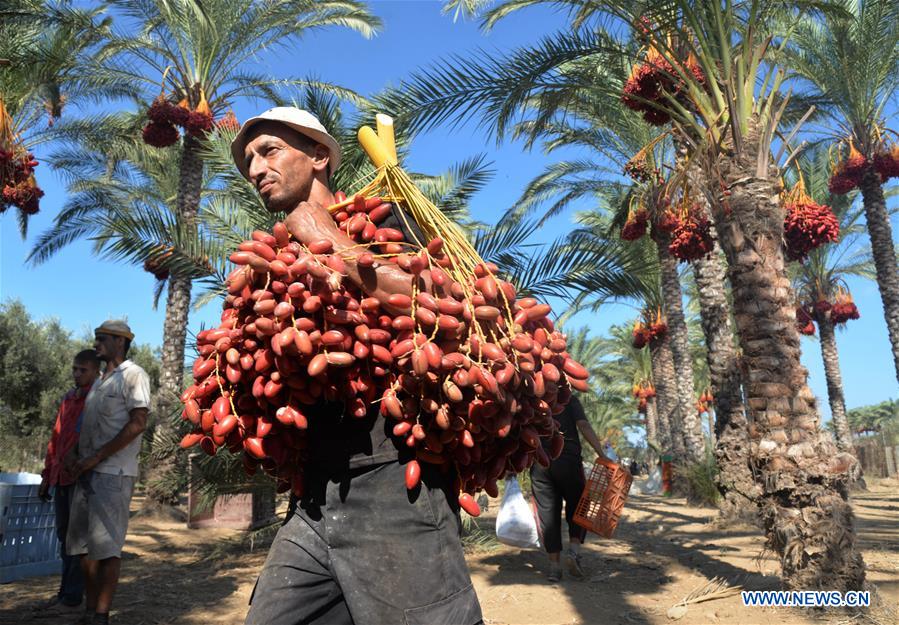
595	231
41	45
613	135
851	61
195	54
820	282
721	90
875	418
624	367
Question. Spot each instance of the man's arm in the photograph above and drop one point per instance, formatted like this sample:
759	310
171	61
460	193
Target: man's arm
136	425
311	222
44	489
587	431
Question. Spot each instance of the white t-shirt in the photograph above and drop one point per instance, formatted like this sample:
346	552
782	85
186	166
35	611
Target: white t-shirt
106	412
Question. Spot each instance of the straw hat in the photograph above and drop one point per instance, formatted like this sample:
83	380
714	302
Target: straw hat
115	327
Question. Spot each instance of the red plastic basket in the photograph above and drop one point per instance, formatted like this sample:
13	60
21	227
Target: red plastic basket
604	497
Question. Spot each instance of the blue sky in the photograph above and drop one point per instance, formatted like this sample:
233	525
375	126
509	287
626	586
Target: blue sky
82	290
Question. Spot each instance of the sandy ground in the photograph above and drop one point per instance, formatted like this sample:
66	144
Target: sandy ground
663	550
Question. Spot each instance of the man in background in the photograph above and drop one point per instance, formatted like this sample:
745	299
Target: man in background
56	475
115	417
563	481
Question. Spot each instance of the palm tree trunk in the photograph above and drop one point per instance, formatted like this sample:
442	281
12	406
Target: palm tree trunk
684	395
735	481
884	253
164	480
652	427
670	437
805	512
834	382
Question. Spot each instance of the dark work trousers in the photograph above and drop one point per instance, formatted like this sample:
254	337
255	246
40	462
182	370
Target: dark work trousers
360	548
71	587
562	481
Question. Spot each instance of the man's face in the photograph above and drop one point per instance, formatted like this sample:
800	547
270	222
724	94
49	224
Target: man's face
282	165
84	373
106	345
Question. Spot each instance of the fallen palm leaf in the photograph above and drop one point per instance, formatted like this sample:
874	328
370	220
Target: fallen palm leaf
716	588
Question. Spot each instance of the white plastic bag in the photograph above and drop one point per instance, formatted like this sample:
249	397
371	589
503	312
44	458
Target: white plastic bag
653	485
515	524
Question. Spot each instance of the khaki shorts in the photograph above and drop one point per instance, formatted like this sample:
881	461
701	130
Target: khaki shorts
98	519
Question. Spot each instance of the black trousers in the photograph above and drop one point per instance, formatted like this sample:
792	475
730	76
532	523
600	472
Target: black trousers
71	584
362	549
562	481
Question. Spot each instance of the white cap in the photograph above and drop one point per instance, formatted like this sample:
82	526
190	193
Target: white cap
302	121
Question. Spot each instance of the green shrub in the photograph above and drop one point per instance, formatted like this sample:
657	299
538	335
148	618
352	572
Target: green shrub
700	481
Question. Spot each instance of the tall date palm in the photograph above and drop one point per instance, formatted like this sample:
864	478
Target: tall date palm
851	60
722	92
820	283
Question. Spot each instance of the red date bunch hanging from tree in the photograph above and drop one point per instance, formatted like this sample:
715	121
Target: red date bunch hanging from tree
649	329
807	224
805	322
843	308
466	375
651	81
19	187
691	237
847	174
643	392
886	162
165	117
635	226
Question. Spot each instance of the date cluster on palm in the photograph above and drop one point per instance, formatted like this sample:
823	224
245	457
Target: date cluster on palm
807	224
643	392
649	330
683	227
17	164
838	311
636	225
467	374
691	236
165	117
847	174
655	79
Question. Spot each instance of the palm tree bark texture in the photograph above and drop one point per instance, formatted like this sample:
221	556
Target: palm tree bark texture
834	381
804	479
684	394
663	378
738	488
884	252
162	488
652	425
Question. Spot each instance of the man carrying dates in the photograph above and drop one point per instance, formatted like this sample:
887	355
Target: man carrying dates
357	547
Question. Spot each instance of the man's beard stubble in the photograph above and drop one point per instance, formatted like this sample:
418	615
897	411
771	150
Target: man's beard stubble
289	202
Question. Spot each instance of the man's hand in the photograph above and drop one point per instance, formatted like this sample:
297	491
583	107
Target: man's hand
83	466
43	491
310	221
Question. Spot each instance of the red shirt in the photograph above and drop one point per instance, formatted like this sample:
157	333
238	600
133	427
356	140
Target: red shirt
64	437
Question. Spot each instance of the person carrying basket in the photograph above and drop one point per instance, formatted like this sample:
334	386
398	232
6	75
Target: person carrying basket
564	481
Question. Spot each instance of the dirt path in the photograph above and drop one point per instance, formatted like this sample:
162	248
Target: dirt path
663	550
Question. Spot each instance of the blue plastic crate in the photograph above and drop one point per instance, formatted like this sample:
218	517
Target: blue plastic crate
28	542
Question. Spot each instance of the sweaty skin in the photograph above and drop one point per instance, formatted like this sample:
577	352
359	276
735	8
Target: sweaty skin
290	173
